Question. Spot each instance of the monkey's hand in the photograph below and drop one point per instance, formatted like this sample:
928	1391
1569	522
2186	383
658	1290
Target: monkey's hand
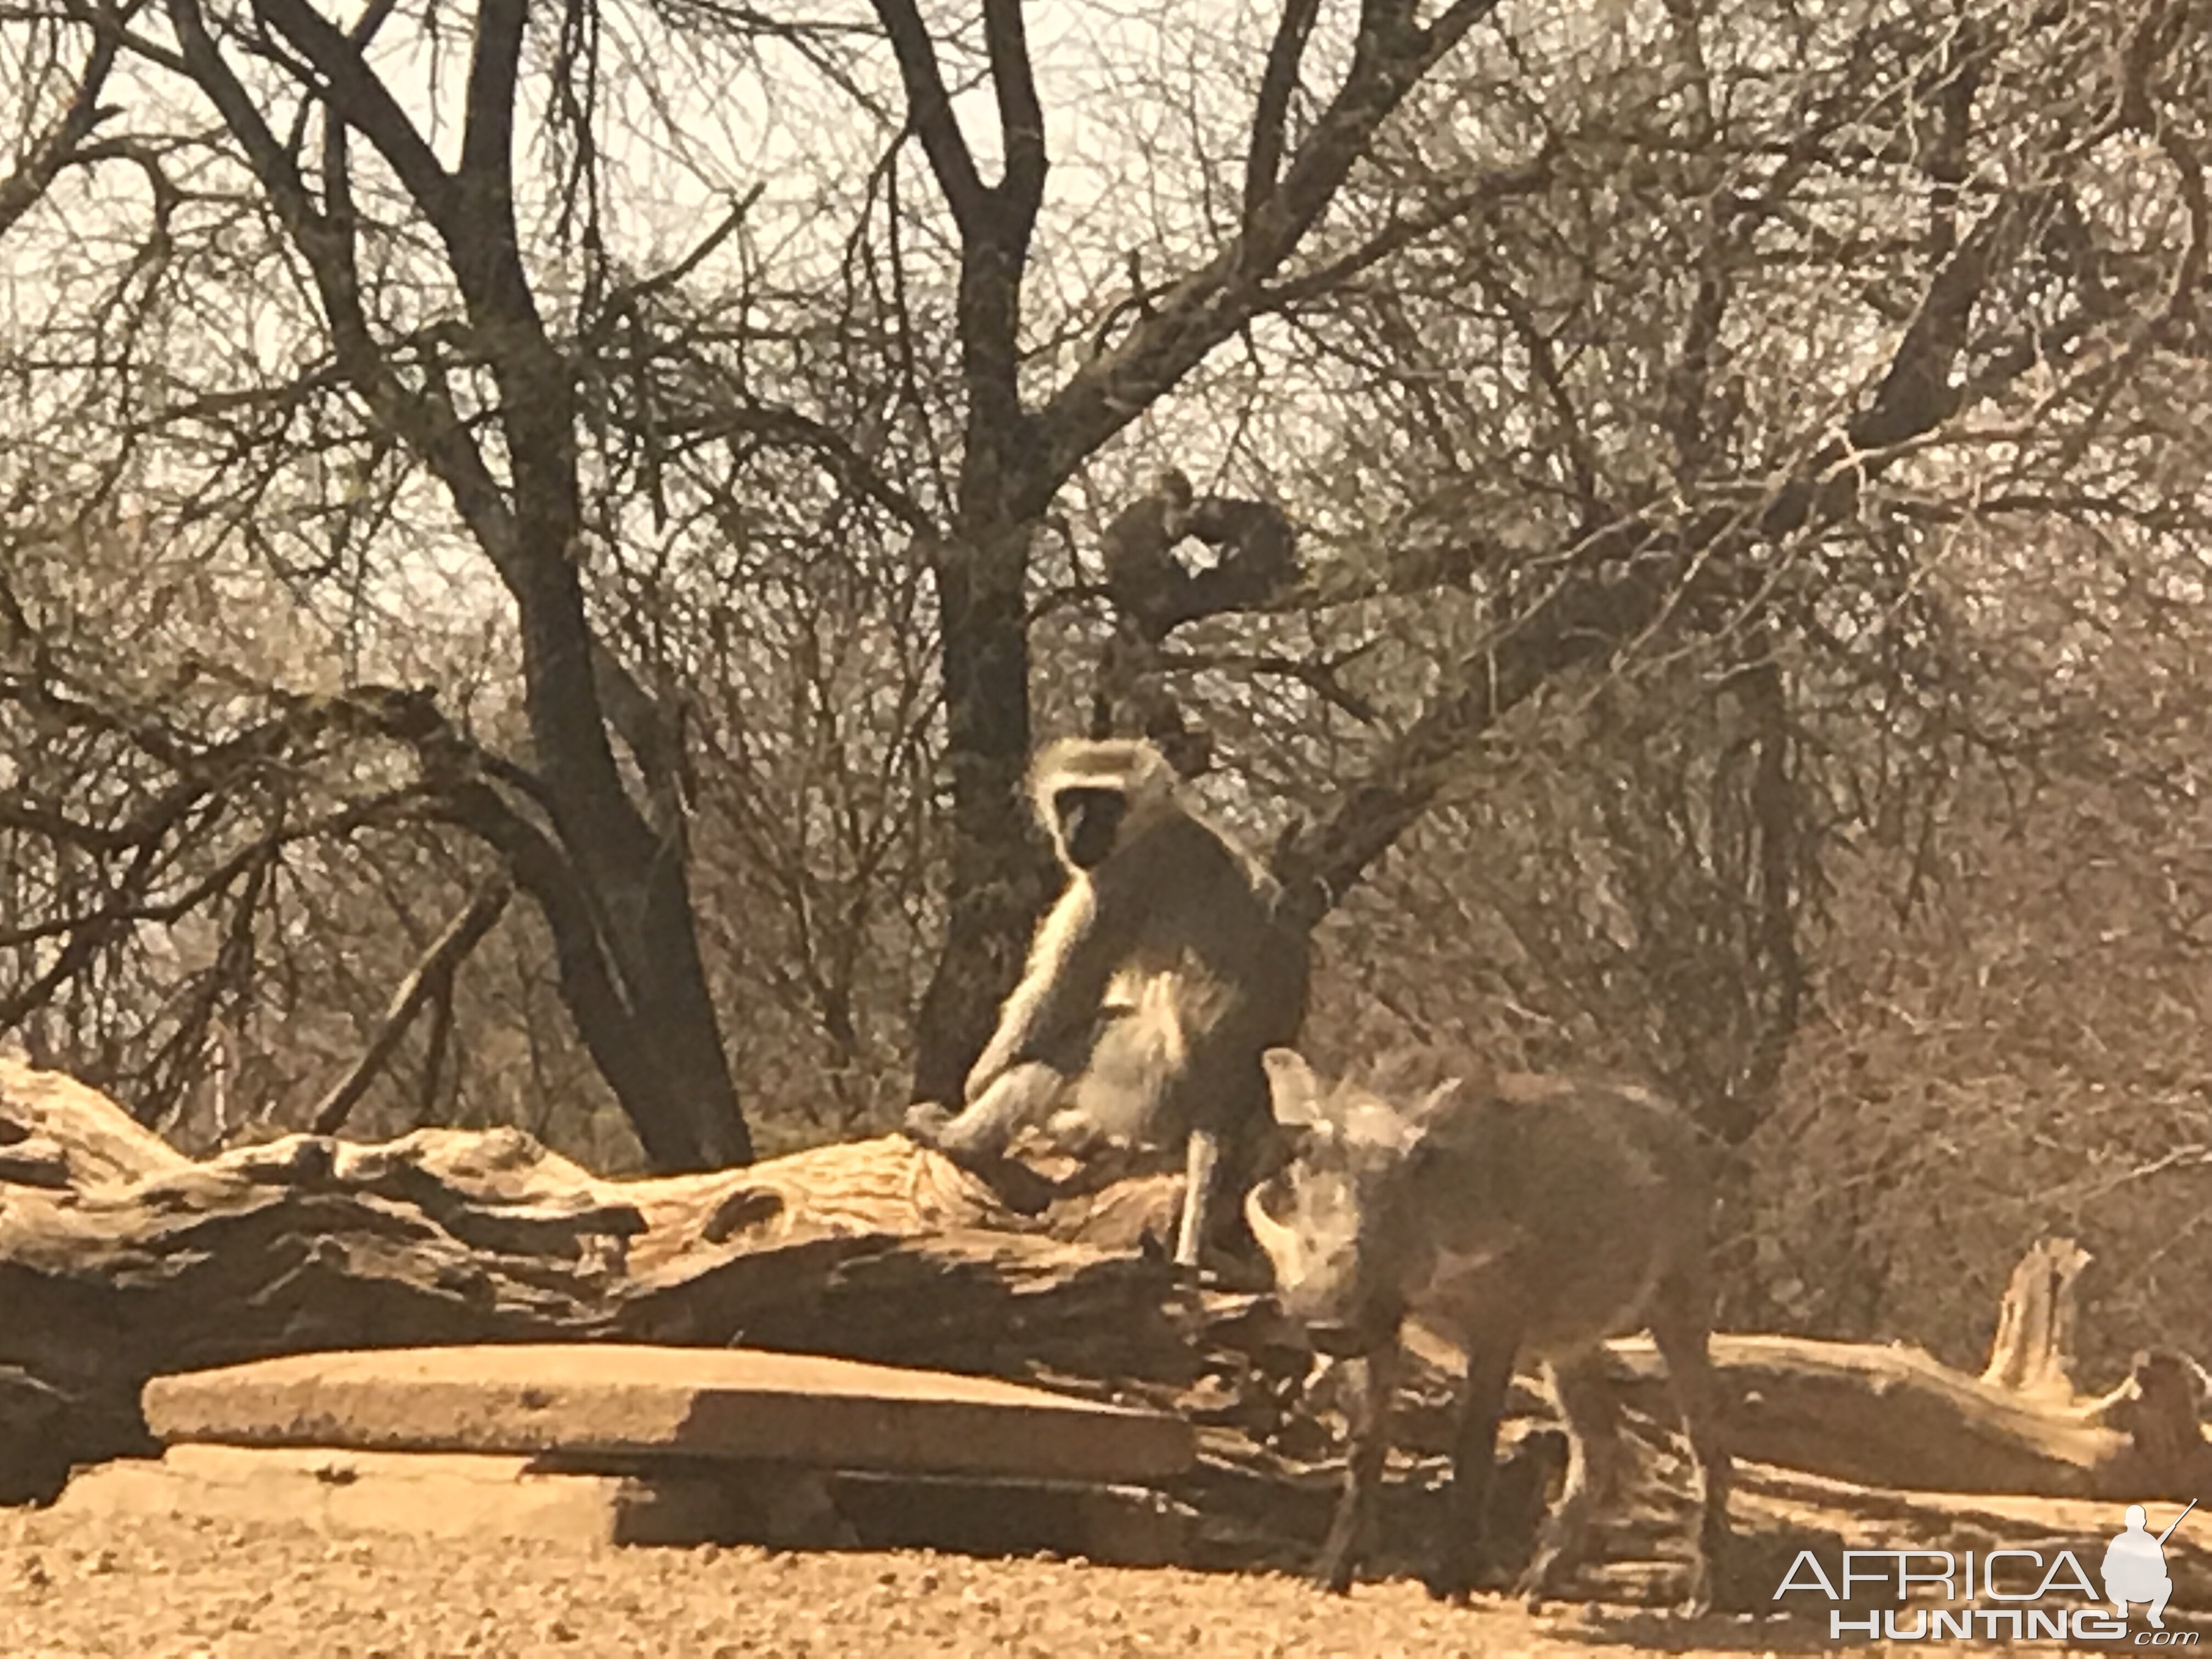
924	1123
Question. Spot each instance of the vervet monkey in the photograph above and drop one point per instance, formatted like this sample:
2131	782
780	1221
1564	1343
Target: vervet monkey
1158	979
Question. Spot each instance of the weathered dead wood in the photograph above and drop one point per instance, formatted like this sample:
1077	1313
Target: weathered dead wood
90	1141
127	1260
1893	1416
120	1259
2033	1352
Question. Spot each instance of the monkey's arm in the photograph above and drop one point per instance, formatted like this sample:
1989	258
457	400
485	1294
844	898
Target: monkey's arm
1059	993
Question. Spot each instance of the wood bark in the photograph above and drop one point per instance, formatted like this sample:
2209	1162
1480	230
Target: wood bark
120	1259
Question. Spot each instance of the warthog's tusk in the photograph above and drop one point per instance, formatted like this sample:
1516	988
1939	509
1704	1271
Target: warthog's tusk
1277	1241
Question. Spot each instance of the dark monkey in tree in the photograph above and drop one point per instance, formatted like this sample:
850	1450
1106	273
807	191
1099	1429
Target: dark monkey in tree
1159	978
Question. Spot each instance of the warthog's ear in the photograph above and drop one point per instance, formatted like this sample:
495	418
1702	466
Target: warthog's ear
1422	1111
1294	1089
1370	1121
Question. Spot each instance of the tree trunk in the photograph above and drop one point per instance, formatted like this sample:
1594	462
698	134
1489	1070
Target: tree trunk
997	878
631	973
672	1077
672	1011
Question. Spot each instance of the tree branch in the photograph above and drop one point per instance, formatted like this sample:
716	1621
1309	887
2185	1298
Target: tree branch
61	144
359	97
432	976
1590	614
426	421
1209	305
1406	228
489	259
718	417
1319	863
929	112
1021	118
1263	161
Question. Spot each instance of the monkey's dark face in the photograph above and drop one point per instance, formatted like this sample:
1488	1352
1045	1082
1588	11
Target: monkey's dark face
1089	822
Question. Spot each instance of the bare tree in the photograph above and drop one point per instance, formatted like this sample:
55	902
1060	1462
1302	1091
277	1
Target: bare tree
1756	405
606	868
1499	351
1017	451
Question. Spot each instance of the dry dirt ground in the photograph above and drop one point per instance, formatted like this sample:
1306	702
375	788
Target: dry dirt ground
171	1589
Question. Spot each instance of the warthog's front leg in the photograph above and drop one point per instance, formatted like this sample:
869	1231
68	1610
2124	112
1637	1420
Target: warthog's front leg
1374	1377
1464	1551
1201	1157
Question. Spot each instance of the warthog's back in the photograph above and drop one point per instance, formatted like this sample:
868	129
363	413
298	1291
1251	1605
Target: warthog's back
1555	1204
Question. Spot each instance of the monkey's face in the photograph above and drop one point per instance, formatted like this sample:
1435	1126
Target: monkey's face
1090	824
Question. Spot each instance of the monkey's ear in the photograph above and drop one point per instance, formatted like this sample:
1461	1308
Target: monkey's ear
1295	1090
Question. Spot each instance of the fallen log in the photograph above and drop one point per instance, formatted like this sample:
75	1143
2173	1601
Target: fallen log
121	1259
1891	1416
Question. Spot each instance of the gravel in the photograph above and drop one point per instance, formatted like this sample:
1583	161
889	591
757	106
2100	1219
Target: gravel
179	1590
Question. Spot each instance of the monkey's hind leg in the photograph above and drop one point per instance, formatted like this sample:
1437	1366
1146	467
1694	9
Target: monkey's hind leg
978	1136
1201	1157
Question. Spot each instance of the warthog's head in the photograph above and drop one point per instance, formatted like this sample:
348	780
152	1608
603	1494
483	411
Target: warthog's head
1331	1220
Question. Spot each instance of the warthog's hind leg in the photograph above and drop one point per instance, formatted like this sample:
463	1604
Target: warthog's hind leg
1592	1413
1678	1329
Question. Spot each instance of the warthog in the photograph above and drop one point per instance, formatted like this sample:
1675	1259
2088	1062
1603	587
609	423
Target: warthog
1510	1217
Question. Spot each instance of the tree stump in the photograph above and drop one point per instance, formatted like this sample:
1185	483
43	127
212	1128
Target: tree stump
2033	1353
